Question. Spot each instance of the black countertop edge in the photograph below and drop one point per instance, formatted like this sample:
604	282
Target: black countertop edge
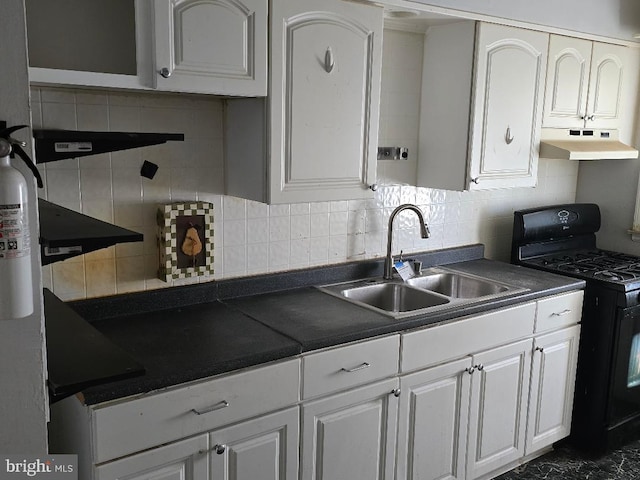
167	298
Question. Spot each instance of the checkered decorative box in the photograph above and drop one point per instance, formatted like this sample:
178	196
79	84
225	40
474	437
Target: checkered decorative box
178	225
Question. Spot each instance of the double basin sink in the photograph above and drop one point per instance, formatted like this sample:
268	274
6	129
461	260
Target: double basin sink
434	290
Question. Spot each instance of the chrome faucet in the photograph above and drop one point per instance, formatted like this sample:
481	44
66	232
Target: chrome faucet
424	233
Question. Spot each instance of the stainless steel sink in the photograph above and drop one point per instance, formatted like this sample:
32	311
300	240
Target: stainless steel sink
393	297
436	289
457	286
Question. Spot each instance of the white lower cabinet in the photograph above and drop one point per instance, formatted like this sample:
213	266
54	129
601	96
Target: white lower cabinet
482	414
265	448
553	376
467	399
351	435
432	430
465	418
185	460
498	411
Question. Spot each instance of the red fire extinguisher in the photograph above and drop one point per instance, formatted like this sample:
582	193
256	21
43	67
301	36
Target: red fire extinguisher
16	288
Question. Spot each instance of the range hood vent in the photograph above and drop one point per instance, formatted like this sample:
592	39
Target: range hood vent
584	145
52	145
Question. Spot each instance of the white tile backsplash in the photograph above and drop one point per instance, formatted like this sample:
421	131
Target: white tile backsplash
250	237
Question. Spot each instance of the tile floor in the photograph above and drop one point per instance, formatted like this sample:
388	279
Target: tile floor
564	463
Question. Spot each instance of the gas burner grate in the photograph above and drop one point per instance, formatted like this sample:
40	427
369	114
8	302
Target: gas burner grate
598	264
615	276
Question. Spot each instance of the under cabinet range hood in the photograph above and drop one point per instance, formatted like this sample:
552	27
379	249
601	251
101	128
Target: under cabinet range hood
569	144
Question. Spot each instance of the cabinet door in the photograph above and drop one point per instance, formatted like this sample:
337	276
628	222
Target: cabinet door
185	460
325	90
264	448
507	107
605	86
432	430
565	103
211	46
552	386
351	435
498	412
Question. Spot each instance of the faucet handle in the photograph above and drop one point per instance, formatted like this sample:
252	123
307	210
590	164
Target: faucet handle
417	267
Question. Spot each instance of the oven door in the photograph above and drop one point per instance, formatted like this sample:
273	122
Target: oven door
625	391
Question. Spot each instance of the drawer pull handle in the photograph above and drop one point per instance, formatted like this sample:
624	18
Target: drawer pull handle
217	406
355	369
560	314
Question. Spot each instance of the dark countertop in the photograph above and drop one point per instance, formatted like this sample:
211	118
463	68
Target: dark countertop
185	344
239	330
318	320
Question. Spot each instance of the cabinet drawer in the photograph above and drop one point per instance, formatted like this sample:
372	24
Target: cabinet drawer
344	367
138	424
453	340
559	311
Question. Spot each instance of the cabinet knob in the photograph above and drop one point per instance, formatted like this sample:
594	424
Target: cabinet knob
396	392
540	349
470	370
591	118
479	367
329	62
373	187
219	448
165	72
508	137
475	180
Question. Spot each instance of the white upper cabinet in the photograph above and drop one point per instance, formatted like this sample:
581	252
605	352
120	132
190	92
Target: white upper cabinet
211	46
197	46
316	138
605	86
507	107
497	74
90	43
584	84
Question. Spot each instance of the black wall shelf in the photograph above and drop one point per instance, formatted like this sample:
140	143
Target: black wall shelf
52	145
65	233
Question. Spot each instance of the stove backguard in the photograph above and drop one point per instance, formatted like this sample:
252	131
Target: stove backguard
538	231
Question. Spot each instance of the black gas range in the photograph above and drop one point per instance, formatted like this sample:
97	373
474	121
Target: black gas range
561	239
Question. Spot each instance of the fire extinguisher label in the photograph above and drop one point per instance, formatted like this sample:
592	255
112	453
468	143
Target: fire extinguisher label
14	232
